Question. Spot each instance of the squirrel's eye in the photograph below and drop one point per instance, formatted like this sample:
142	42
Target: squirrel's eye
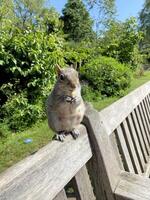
62	77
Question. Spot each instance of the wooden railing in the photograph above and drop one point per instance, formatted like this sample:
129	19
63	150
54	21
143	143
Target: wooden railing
109	161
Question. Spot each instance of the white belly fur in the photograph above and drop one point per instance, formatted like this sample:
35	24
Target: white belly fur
67	117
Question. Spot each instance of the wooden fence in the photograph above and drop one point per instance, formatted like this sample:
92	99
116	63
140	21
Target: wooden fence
109	160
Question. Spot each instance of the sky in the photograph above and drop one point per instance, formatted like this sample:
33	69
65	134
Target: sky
125	8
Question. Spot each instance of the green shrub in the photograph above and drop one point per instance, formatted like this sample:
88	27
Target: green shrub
27	61
106	75
18	113
89	94
121	41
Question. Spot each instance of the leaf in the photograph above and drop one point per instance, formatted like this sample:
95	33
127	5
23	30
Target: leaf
1	62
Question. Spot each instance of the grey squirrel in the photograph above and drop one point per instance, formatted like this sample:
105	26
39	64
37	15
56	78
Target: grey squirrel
65	106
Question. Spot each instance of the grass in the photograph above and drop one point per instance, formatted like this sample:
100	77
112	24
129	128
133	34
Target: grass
13	148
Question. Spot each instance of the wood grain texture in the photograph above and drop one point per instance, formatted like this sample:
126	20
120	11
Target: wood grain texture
128	163
114	114
136	143
138	138
61	195
44	174
132	187
147	170
84	186
105	168
119	158
143	133
146	131
138	167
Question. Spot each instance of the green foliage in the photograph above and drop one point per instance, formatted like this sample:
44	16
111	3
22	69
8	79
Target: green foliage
49	21
19	113
145	20
79	53
107	76
89	94
77	22
32	42
7	15
121	42
27	61
145	27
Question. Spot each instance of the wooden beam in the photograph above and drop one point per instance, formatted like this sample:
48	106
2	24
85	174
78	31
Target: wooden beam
132	187
84	186
103	167
113	115
44	174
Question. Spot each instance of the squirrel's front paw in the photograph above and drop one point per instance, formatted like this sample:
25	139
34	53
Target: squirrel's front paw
75	133
59	136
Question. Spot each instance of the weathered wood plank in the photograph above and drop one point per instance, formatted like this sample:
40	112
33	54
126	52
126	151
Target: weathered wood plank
142	129
112	116
104	176
132	148
128	163
146	132
146	100
147	109
61	196
113	141
147	171
133	187
140	142
44	174
84	185
145	114
136	143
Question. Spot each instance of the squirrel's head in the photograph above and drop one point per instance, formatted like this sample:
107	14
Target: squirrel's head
67	79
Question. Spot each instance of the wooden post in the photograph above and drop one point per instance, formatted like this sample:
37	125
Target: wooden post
103	167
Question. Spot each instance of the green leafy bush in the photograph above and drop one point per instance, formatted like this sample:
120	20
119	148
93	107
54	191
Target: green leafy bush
121	41
27	61
89	94
19	113
106	75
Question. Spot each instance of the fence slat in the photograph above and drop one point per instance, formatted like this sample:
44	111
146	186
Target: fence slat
133	153
61	196
136	143
147	109
140	142
84	185
148	105
145	114
142	129
146	132
124	150
113	140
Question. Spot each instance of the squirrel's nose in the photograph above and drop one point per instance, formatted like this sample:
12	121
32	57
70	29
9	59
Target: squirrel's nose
73	86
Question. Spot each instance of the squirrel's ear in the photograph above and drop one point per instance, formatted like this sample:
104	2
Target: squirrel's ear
73	65
58	69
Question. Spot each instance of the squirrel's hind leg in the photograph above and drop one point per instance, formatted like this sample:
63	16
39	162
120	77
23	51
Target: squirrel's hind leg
75	133
60	136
